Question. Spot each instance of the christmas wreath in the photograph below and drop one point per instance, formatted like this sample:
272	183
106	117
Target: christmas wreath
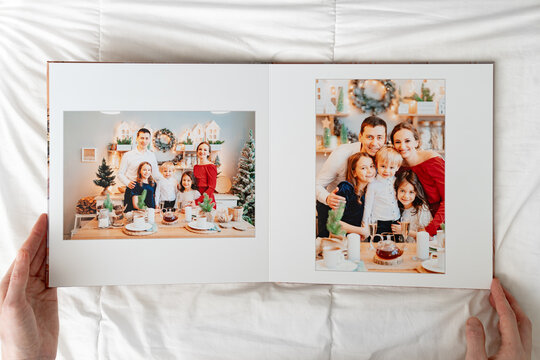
164	140
374	96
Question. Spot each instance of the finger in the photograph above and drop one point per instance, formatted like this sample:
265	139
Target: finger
524	323
335	191
41	253
507	317
476	339
31	245
16	293
5	283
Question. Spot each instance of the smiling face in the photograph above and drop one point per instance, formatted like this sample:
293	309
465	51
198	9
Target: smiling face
405	143
146	171
372	139
364	170
203	150
143	139
406	194
186	182
167	171
387	169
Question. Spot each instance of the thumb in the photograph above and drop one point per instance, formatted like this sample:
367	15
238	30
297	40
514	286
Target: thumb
16	293
474	332
335	191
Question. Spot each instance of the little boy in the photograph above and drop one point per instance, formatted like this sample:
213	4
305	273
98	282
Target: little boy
381	205
167	187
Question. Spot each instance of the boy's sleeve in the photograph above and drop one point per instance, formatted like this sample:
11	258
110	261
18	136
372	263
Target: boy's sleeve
368	204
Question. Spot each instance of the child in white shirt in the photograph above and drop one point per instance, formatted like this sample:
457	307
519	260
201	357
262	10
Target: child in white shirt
188	191
381	205
167	187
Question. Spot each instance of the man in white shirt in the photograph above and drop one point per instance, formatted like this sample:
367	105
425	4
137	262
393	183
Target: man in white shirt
127	173
371	138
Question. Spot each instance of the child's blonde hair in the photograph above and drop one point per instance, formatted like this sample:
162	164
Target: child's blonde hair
389	155
166	165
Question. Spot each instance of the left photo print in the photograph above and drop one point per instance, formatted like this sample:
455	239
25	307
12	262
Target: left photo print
158	174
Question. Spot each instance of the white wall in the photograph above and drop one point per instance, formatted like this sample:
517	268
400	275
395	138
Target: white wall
94	129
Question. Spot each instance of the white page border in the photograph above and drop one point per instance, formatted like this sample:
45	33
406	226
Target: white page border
469	169
157	87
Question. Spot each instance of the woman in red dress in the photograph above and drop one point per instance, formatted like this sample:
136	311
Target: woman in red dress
205	172
428	167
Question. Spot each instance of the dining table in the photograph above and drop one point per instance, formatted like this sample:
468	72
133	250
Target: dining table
409	262
179	229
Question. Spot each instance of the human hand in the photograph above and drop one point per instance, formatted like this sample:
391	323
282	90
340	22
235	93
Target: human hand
333	200
514	326
28	309
396	228
131	184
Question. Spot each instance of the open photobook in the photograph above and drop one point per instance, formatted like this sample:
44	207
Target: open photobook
373	174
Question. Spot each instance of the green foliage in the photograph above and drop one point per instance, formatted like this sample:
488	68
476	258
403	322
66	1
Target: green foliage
207	205
334	217
326	137
141	204
216	142
108	203
124	141
105	175
442	226
188	141
343	134
339	107
427	95
244	181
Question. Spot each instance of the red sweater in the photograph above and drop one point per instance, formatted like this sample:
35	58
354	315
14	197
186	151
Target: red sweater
431	176
206	176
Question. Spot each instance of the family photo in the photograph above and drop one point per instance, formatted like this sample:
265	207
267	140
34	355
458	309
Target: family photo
159	174
380	175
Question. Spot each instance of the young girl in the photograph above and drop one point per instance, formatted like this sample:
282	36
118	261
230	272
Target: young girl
360	172
412	203
167	187
205	172
144	181
188	191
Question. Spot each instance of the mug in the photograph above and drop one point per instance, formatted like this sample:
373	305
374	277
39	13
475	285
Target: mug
151	214
333	257
138	220
201	220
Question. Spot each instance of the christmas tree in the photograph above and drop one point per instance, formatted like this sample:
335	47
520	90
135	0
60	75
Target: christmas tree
244	181
105	176
339	107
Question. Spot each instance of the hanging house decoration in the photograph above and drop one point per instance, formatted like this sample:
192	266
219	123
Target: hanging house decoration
212	131
375	96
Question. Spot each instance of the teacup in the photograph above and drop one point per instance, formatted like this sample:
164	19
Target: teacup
441	258
201	220
333	257
138	220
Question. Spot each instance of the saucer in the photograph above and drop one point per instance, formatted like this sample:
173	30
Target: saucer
206	226
344	266
132	227
431	265
435	246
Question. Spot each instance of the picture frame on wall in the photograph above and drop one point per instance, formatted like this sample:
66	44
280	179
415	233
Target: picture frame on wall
88	155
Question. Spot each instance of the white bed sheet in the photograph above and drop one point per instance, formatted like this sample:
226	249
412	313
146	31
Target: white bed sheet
277	321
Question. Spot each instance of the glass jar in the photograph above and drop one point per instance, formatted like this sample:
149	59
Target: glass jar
103	218
425	134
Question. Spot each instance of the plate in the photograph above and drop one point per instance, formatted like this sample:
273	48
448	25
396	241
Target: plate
132	227
225	225
431	265
206	226
344	266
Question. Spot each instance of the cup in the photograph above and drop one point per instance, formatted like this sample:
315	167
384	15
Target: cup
138	220
333	257
441	258
353	247
422	245
188	213
201	220
151	214
237	213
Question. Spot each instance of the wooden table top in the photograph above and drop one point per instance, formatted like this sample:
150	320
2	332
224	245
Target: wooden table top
91	230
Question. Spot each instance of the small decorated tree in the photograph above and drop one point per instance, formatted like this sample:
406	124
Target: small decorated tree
334	217
107	204
140	203
206	205
343	134
244	181
339	107
105	176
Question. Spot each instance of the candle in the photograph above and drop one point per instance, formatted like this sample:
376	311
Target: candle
422	245
353	247
187	210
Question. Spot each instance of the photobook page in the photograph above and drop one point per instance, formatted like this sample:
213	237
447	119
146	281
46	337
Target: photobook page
382	174
158	173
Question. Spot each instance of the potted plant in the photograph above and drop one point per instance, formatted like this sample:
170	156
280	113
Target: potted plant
216	144
207	206
105	177
425	104
123	144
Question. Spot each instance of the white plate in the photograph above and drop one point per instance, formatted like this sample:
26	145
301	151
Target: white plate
206	226
344	266
431	265
132	227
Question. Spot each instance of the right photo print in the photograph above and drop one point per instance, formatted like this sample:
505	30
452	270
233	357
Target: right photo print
380	175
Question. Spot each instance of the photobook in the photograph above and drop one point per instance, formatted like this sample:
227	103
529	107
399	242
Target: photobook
368	174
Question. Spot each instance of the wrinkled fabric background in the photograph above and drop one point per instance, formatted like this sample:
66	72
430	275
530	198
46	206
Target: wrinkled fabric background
278	321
